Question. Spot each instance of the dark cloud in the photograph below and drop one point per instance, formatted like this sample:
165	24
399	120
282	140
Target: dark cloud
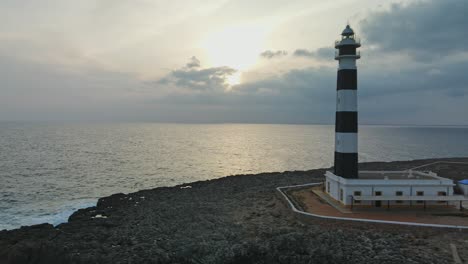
295	86
303	53
425	30
193	63
192	78
298	96
269	54
298	86
448	79
325	53
322	53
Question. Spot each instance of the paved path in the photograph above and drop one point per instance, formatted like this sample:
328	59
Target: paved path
331	202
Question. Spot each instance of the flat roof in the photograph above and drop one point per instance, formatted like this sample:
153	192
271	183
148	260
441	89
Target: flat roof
409	198
395	175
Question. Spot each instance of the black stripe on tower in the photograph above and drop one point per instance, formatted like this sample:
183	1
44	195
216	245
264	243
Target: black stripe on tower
348	50
346	165
346	122
347	79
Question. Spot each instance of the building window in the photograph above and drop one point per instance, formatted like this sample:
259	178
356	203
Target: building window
357	193
341	195
378	203
419	193
328	187
442	194
399	193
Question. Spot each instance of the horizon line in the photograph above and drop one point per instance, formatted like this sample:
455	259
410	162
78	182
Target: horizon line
224	122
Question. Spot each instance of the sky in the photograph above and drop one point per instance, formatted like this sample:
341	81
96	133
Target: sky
210	61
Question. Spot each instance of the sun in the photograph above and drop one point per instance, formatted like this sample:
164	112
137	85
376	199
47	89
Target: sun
236	46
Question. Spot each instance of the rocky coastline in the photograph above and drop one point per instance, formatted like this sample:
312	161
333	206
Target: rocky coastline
235	219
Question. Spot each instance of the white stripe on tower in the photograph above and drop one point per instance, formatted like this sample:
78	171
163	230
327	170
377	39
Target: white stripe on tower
346	126
347	63
346	142
346	100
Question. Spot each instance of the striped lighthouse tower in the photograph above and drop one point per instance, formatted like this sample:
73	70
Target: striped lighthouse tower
346	126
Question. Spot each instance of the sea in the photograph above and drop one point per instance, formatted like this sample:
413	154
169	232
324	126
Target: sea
49	170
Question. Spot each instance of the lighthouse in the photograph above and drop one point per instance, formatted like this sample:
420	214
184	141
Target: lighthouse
346	122
351	187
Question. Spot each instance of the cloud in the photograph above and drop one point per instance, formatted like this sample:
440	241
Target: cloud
448	79
308	96
424	30
39	91
192	78
401	92
326	53
193	63
269	54
419	44
297	96
303	53
322	53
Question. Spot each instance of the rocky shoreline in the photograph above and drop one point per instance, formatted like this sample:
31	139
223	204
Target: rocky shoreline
235	219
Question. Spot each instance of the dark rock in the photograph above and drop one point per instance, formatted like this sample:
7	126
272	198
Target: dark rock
237	219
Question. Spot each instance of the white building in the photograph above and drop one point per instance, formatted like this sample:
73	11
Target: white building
392	189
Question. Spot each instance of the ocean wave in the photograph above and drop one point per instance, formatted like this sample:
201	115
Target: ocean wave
56	217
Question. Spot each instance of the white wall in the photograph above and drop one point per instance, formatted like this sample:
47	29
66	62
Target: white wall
333	191
387	187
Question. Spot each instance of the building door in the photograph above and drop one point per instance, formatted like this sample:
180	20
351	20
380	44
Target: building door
378	203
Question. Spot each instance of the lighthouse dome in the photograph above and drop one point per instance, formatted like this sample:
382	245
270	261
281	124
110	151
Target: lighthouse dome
348	31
